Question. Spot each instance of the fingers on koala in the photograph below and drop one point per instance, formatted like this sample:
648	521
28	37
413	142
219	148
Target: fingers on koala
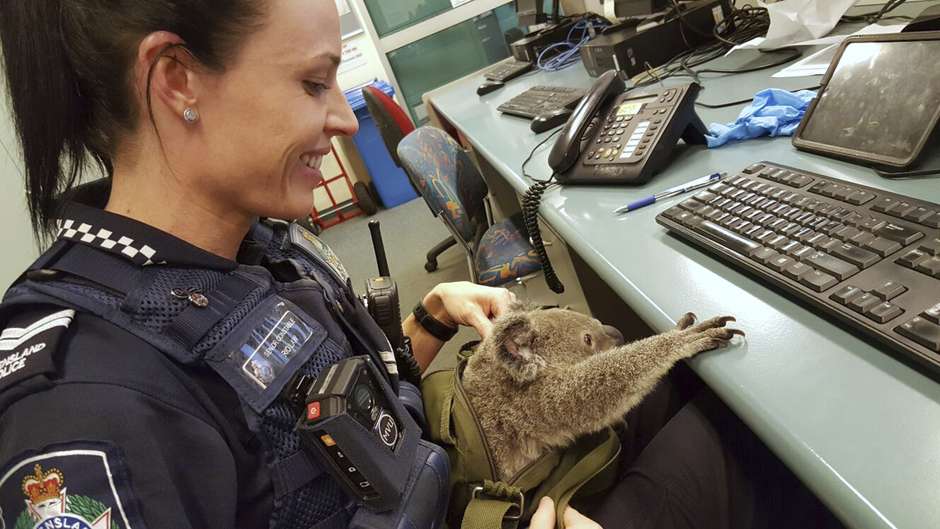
514	340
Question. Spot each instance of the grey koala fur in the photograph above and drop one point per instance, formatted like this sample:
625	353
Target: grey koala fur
545	377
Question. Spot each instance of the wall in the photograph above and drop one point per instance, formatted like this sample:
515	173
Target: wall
16	236
361	62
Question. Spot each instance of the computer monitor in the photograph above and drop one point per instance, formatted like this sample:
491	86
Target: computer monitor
532	12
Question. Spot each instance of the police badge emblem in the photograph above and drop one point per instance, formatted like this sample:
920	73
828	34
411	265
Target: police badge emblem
316	248
63	489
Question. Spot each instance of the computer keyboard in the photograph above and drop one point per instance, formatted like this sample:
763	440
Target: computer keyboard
508	70
541	100
869	257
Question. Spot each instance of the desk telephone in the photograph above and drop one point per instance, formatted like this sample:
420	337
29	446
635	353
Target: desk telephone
615	136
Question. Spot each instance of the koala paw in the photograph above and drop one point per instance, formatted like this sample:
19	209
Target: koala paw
705	336
685	321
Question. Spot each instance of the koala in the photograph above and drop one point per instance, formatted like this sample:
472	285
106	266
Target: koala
545	377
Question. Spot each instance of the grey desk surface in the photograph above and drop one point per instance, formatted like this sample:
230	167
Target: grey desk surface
861	428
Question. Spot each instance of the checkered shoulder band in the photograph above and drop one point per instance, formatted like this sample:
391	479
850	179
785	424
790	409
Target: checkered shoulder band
141	255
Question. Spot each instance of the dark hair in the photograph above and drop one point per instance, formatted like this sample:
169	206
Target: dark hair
68	69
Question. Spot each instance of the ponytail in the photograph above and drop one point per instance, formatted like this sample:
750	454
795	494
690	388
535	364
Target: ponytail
49	112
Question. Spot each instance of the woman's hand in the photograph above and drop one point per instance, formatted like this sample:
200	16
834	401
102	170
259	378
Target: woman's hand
544	517
465	303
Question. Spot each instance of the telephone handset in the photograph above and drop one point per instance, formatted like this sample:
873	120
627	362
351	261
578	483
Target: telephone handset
614	137
619	137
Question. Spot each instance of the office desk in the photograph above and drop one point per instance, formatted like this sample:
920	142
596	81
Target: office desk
860	427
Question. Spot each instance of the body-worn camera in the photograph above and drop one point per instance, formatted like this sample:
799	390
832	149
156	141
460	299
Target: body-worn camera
366	438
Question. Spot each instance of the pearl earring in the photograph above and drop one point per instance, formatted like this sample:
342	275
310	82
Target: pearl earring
190	115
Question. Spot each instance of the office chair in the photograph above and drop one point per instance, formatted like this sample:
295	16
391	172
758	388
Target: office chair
394	124
454	189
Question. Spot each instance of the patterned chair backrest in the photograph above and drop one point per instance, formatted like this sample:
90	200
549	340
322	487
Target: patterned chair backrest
447	179
393	123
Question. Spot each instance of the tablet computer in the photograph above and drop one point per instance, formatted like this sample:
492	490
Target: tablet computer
879	102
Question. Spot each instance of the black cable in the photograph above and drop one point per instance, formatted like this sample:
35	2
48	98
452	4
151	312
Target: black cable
530	214
907	174
742	101
789	55
875	16
532	153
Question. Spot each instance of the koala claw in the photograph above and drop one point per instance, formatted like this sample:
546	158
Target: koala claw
708	335
686	321
713	323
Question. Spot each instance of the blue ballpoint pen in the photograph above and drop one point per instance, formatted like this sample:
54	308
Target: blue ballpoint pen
698	183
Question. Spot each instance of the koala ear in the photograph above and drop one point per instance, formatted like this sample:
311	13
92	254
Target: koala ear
513	341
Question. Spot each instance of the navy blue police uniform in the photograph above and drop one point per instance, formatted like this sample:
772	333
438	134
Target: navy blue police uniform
144	382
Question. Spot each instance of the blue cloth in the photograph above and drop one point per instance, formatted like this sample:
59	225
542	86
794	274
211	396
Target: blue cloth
773	112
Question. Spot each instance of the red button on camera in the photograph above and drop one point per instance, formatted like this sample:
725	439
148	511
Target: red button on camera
313	411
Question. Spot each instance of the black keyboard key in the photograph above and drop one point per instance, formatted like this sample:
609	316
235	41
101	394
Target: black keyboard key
933	221
931	247
846	233
860	197
884	204
756	168
720	188
898	233
797	270
805	234
884	312
791	247
918	214
846	294
923	332
933	314
832	265
930	266
889	290
780	262
883	247
912	258
763	255
902	209
872	224
818	281
855	255
800	180
819	240
705	196
727	237
863	303
692	205
863	238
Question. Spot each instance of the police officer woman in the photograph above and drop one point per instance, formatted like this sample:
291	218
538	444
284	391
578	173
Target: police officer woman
145	356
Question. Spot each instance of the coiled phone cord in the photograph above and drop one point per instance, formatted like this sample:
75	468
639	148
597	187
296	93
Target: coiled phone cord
530	213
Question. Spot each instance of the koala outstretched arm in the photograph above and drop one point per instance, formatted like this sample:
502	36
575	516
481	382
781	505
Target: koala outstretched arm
600	389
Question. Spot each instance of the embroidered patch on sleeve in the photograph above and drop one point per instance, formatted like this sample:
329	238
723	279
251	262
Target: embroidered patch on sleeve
27	351
68	487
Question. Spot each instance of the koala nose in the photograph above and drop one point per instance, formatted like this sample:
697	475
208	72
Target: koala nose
614	334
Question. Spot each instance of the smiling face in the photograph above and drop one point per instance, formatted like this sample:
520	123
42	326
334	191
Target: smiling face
268	120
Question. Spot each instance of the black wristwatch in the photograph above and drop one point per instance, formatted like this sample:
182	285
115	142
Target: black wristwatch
434	326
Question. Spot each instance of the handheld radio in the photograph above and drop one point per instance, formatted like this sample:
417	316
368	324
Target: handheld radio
382	292
381	300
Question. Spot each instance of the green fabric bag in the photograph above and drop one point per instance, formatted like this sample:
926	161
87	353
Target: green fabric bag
478	500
